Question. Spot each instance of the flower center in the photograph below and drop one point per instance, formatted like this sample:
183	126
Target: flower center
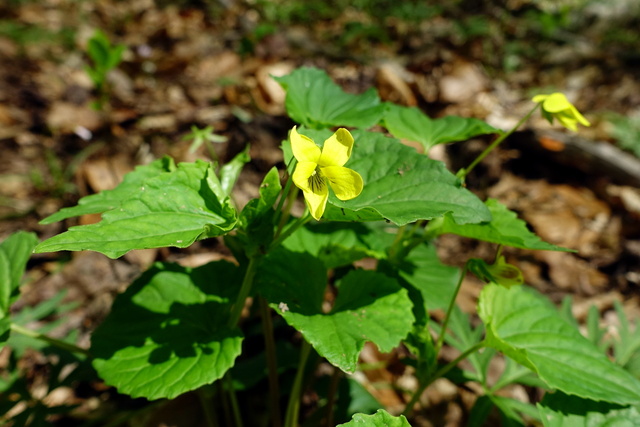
316	181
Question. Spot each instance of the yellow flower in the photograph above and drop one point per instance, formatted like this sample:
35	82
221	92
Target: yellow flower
557	105
317	169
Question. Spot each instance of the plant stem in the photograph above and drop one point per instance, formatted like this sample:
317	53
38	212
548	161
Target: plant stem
285	196
331	395
286	211
224	397
272	363
452	304
245	289
306	216
58	343
235	408
205	402
293	407
395	248
462	173
438	374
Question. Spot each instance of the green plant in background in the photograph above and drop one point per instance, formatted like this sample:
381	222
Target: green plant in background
626	132
32	34
104	57
204	136
177	329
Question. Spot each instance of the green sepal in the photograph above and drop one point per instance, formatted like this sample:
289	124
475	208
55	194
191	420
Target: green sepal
499	272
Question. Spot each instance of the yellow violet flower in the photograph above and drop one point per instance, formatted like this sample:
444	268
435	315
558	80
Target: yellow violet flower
318	169
557	105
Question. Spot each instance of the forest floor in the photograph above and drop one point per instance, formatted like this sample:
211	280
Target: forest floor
190	64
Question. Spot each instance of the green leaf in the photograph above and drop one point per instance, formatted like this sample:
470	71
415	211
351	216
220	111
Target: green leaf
172	209
230	172
511	411
412	124
168	333
504	229
15	251
111	199
256	223
54	311
380	419
480	411
5	329
269	191
560	410
335	243
435	281
98	49
369	307
403	186
314	100
527	327
115	56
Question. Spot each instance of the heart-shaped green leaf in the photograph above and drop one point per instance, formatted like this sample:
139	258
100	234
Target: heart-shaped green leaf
314	100
505	228
171	209
168	333
412	124
527	327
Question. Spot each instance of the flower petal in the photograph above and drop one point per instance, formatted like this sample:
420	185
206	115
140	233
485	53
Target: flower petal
301	175
567	121
316	202
579	117
345	182
337	149
303	147
556	102
539	98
